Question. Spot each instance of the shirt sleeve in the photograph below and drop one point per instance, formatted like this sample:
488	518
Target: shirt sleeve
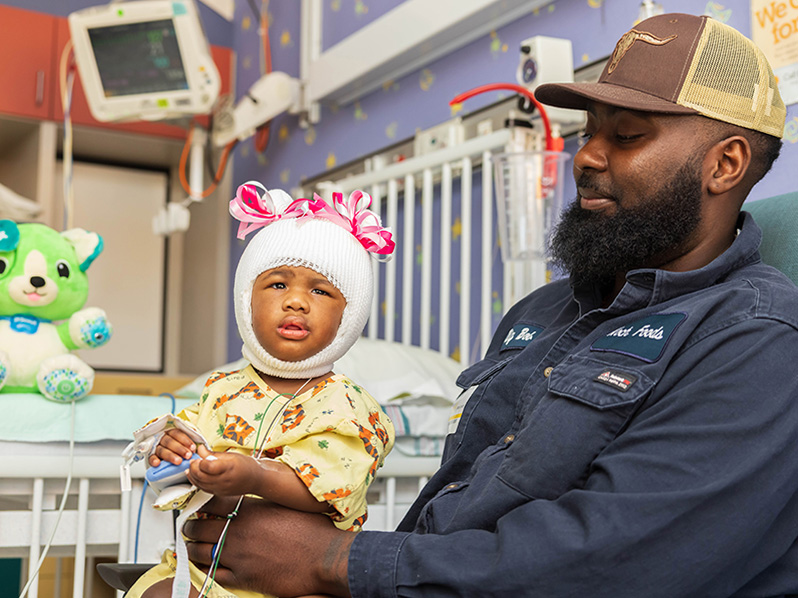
338	452
695	498
336	468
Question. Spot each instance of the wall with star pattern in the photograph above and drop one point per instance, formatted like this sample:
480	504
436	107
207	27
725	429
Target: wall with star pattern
420	100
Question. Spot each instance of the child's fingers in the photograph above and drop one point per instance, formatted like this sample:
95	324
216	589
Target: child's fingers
154	461
193	472
166	454
170	449
211	464
200	477
182	438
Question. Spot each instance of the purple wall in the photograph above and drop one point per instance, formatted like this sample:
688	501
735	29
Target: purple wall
420	100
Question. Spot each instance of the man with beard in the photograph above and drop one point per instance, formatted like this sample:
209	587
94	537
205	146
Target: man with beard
632	431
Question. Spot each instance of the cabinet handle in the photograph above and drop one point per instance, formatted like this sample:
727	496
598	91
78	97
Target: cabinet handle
39	88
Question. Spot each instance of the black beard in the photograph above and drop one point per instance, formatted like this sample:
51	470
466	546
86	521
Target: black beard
593	247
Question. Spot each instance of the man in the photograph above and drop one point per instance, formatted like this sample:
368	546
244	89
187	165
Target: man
645	441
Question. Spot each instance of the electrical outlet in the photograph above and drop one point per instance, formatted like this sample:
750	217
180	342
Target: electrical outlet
441	136
485	127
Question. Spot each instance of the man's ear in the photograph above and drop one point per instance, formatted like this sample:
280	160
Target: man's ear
728	162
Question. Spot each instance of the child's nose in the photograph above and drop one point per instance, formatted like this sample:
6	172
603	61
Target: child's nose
297	302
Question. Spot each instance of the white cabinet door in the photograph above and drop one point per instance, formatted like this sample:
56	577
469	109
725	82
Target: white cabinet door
127	279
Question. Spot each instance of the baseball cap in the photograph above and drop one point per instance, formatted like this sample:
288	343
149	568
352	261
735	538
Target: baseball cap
683	64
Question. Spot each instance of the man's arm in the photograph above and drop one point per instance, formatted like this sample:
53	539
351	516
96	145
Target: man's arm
269	548
696	498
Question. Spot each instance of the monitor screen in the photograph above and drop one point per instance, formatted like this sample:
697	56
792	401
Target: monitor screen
144	60
138	58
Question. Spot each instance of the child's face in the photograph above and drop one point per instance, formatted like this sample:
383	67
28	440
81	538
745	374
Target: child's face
295	312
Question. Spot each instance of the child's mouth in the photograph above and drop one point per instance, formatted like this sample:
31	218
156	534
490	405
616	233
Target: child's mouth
292	330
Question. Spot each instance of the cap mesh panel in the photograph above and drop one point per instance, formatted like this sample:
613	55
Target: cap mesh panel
743	91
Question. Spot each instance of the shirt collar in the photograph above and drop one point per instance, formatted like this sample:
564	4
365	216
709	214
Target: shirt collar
649	286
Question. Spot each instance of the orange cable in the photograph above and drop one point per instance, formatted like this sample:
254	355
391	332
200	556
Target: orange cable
219	170
264	131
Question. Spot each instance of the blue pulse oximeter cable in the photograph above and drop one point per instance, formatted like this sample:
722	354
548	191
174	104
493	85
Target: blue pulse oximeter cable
144	490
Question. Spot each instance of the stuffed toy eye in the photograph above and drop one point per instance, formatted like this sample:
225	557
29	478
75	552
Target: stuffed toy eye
63	269
3	265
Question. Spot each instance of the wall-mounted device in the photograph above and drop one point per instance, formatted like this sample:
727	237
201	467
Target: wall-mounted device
548	60
269	96
144	60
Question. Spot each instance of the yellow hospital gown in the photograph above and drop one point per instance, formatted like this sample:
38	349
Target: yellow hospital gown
334	436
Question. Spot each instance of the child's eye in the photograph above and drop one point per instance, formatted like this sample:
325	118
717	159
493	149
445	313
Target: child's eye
277	285
320	292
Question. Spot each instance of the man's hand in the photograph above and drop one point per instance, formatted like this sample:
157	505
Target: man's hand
173	447
224	474
272	549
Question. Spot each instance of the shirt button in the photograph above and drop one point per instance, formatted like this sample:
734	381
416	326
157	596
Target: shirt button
547	372
509	438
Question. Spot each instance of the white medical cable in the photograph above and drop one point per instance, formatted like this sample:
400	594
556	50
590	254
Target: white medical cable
220	542
274	419
66	102
66	78
60	508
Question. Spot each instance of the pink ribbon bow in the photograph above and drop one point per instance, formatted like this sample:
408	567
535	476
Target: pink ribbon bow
354	215
255	211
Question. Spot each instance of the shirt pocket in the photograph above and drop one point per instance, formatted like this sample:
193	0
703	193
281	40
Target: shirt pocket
587	403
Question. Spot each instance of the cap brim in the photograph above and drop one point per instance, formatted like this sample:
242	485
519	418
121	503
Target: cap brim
578	95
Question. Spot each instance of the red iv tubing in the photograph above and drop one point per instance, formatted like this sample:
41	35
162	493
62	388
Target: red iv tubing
550	164
518	89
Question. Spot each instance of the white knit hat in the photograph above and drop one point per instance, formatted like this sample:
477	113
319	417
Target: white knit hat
295	236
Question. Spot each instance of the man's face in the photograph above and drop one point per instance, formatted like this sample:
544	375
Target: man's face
639	195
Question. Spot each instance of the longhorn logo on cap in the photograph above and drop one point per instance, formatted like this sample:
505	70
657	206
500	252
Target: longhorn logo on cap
628	40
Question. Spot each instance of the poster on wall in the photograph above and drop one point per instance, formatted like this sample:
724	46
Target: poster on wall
774	25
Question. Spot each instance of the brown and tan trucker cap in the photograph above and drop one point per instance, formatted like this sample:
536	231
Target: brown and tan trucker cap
683	64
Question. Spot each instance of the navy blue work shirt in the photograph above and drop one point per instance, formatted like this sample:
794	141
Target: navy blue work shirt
645	449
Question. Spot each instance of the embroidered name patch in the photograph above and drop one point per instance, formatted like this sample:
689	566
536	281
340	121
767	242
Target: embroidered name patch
644	339
520	336
617	379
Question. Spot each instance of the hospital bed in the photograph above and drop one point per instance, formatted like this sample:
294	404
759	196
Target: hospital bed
416	388
436	306
440	297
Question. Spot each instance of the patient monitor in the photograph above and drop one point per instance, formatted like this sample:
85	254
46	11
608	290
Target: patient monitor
144	60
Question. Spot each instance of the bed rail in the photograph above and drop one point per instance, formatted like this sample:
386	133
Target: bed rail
440	206
99	521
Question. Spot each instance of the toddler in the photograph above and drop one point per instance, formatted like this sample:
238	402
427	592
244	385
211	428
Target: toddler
302	294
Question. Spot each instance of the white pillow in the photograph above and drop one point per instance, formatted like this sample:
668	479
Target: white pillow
390	372
393	372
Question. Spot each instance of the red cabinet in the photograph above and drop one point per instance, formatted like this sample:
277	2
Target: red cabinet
27	50
31	45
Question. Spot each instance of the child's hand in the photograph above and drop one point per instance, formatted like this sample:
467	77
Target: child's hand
173	447
224	474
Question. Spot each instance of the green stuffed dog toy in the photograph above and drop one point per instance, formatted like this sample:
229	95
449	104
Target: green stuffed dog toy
43	280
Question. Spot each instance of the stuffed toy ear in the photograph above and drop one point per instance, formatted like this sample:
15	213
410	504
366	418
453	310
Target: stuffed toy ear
87	245
9	235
